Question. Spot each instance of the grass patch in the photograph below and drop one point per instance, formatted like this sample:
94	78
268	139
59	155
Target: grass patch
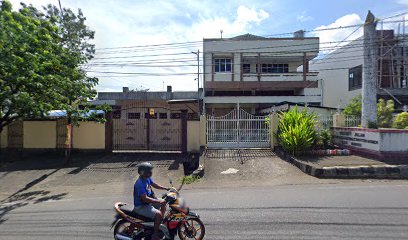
189	179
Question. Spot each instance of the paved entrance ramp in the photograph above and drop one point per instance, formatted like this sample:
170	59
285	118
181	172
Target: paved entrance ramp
248	167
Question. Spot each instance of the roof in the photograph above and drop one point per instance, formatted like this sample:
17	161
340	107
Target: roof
247	36
146	95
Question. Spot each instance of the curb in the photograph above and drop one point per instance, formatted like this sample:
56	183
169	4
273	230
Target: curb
356	172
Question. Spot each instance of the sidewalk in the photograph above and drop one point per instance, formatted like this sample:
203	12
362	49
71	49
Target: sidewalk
348	166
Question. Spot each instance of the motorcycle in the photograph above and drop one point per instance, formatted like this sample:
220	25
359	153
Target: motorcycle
178	220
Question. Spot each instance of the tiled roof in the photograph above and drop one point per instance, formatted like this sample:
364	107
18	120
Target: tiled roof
247	36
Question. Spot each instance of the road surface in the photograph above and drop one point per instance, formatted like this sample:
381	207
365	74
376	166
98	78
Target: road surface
376	210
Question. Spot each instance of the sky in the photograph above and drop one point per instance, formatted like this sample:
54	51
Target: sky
123	28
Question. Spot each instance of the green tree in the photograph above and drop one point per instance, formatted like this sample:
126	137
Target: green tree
385	109
353	108
30	57
41	59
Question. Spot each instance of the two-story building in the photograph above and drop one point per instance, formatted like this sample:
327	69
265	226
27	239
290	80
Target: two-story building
258	72
341	71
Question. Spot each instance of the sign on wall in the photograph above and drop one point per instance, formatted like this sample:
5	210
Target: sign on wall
357	139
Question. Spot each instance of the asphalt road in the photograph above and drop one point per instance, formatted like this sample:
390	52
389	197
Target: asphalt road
332	211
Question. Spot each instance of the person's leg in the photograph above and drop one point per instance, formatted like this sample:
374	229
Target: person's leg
163	210
157	221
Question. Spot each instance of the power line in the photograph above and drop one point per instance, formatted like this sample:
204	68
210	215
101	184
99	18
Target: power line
276	53
278	34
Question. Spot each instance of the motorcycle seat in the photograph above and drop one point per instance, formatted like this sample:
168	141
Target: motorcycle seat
135	215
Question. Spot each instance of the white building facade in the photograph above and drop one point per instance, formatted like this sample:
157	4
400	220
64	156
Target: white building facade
341	72
256	73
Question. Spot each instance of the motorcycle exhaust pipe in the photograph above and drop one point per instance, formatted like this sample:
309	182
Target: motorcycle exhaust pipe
121	237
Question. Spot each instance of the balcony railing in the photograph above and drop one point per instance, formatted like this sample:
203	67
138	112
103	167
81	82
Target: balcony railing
292	76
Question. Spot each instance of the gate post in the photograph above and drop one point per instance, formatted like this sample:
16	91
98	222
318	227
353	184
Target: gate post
203	131
273	129
184	131
109	132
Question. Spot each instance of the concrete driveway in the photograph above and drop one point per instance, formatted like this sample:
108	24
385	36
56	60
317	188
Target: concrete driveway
250	167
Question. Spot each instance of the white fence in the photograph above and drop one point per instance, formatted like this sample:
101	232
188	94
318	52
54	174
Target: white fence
327	122
352	121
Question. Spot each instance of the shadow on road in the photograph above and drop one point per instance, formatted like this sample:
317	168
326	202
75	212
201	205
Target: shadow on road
22	198
82	161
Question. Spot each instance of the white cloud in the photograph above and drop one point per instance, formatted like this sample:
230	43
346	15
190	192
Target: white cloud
403	2
132	23
210	27
329	39
303	17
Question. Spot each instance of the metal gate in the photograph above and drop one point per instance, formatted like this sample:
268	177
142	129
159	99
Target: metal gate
136	129
238	129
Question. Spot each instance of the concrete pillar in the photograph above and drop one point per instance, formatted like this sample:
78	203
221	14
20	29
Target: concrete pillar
203	130
273	129
369	89
339	120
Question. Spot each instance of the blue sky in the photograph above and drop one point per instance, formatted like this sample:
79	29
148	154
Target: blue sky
134	23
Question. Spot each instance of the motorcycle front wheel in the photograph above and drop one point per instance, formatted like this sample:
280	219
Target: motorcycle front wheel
192	229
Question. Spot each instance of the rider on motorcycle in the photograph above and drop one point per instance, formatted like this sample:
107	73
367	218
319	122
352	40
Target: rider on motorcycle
144	197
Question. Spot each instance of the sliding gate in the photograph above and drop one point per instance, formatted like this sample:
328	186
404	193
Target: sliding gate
238	129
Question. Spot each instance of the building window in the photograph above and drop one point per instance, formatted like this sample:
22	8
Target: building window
133	115
355	77
222	65
274	68
246	68
403	83
116	112
147	115
163	115
175	115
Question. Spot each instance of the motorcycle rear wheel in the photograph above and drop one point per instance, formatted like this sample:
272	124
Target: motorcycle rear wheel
194	227
122	228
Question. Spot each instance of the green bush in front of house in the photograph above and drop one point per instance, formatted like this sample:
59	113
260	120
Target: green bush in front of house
297	131
401	121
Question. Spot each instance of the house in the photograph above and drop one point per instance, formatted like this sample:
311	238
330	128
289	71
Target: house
342	71
258	72
139	104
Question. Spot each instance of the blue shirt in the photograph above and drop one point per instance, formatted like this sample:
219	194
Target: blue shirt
141	187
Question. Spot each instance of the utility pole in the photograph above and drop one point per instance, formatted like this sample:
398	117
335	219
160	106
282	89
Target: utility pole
198	81
369	89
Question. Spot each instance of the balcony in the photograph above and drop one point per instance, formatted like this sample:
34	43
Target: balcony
277	77
262	99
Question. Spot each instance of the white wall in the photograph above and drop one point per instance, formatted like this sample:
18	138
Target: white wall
262	99
333	71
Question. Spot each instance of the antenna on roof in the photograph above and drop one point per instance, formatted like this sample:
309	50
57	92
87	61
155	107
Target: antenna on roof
221	32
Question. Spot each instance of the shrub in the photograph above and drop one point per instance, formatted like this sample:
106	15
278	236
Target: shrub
401	121
385	109
353	108
324	138
297	130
